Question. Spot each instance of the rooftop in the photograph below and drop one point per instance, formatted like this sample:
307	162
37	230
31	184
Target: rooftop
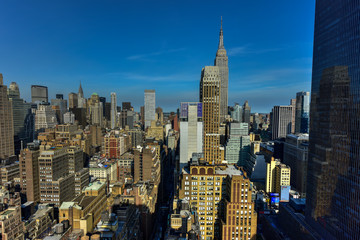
230	170
95	186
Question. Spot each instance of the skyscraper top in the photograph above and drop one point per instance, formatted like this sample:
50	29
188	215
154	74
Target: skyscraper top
1	79
81	93
221	49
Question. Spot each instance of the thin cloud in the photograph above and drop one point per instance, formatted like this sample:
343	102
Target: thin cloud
246	49
154	78
146	56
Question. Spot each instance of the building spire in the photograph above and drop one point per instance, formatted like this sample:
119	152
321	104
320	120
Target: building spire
80	93
221	39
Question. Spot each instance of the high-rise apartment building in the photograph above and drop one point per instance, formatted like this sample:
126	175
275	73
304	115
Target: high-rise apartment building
6	123
210	95
221	61
39	94
191	134
113	111
127	106
296	157
149	107
302	112
23	118
333	183
282	120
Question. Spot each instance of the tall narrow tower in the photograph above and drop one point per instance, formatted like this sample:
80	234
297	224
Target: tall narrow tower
221	61
113	111
210	95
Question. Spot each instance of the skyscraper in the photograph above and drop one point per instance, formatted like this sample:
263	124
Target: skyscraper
22	118
95	109
221	61
62	104
191	134
302	112
281	121
81	98
45	117
237	113
113	110
333	184
246	113
73	100
39	93
6	123
149	109
210	95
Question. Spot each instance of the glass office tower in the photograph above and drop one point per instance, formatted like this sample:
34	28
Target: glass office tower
333	187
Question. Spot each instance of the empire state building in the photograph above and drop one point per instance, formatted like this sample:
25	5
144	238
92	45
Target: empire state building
221	61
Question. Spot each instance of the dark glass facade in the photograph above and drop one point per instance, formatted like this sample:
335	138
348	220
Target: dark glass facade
333	187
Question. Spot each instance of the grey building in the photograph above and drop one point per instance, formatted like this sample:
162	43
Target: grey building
39	93
302	112
149	109
61	103
221	61
23	119
281	122
296	157
236	113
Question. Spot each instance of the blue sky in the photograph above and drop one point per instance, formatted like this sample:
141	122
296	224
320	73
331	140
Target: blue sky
130	46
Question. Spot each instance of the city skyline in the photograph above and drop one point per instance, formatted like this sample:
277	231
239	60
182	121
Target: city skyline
267	62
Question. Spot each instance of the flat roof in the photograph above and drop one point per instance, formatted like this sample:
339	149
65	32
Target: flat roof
230	170
94	186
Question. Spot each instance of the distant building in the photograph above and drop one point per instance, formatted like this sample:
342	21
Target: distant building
69	118
149	109
81	98
73	100
62	104
95	110
302	114
113	110
296	157
6	123
191	134
282	119
236	113
45	117
246	113
127	106
39	94
23	118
